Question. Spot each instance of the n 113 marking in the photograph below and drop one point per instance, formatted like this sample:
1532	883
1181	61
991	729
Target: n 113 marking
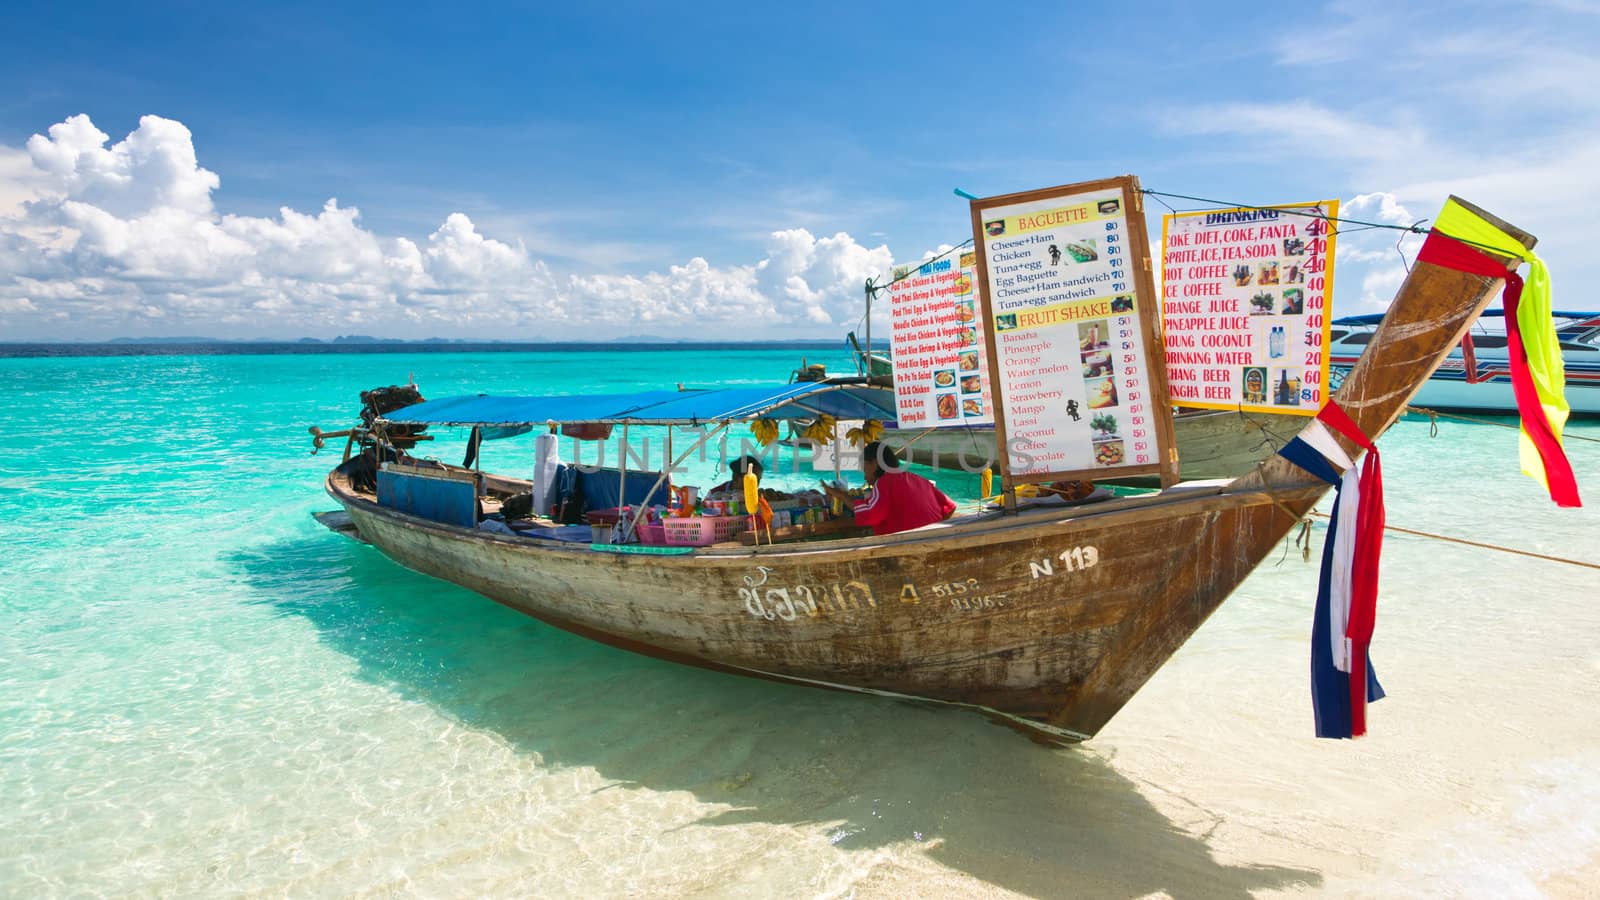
1075	560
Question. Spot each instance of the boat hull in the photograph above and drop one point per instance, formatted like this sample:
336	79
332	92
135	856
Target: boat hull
1050	620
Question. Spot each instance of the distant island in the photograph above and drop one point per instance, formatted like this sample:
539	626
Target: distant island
144	340
164	345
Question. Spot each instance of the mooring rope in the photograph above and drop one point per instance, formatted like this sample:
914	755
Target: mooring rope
1456	540
1434	416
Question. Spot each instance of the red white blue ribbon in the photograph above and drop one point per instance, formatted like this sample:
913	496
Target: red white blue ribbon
1342	680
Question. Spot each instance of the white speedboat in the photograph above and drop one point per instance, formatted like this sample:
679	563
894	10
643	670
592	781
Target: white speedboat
1476	376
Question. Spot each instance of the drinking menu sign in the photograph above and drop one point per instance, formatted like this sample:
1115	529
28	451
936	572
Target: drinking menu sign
1068	302
940	375
1244	298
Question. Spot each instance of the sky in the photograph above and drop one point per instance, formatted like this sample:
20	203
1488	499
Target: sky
718	170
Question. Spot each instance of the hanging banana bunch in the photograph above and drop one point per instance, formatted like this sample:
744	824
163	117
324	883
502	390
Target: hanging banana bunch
822	429
986	482
869	431
765	430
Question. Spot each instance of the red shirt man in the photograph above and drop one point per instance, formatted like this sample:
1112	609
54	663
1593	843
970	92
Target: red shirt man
899	500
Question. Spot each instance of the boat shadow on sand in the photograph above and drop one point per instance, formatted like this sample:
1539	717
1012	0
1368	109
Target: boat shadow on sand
868	771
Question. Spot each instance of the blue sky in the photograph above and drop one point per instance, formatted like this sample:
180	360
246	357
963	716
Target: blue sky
526	172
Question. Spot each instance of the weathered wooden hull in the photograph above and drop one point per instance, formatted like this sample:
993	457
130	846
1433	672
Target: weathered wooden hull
1051	620
1211	443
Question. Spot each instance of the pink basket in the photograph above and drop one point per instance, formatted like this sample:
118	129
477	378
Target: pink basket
703	531
652	533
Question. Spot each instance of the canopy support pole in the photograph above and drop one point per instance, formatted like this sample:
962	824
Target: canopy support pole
868	361
622	485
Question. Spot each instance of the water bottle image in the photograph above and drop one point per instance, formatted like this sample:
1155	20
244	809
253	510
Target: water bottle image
1275	342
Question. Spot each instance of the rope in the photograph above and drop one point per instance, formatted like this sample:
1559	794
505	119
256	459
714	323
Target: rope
878	288
1414	228
1434	416
1261	471
919	437
1456	540
1335	221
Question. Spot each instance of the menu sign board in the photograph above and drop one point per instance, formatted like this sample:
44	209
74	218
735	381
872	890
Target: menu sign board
1244	300
939	354
838	454
1067	297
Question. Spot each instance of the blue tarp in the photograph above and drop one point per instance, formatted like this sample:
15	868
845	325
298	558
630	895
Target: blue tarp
447	500
784	401
600	489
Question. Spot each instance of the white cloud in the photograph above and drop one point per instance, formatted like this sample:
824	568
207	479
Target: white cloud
99	239
154	168
1407	171
19	182
803	279
1302	129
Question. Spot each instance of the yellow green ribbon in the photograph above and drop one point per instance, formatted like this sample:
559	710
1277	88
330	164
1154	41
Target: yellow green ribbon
1534	321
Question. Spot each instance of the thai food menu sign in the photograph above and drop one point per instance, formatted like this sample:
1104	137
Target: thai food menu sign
1067	296
939	367
1244	300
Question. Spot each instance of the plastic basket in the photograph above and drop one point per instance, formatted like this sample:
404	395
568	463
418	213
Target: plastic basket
726	528
653	533
703	531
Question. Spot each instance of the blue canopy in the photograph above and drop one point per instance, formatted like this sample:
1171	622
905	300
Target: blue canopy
784	401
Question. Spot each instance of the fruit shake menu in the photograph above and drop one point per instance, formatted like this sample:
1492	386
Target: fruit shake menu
1245	294
1071	330
939	353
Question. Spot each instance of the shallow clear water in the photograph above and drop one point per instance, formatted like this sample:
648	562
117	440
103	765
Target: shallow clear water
202	692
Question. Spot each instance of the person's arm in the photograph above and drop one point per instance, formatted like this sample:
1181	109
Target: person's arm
946	505
874	510
835	493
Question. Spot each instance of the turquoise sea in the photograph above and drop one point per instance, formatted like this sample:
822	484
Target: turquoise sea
203	693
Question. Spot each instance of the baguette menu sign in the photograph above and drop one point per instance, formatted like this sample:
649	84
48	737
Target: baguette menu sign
1245	296
1071	320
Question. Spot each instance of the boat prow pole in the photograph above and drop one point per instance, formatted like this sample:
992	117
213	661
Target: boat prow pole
1433	308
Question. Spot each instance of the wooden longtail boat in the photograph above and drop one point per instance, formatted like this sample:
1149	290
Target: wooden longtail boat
1049	620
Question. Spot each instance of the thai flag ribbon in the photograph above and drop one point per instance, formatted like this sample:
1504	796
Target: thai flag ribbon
1538	377
1342	679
